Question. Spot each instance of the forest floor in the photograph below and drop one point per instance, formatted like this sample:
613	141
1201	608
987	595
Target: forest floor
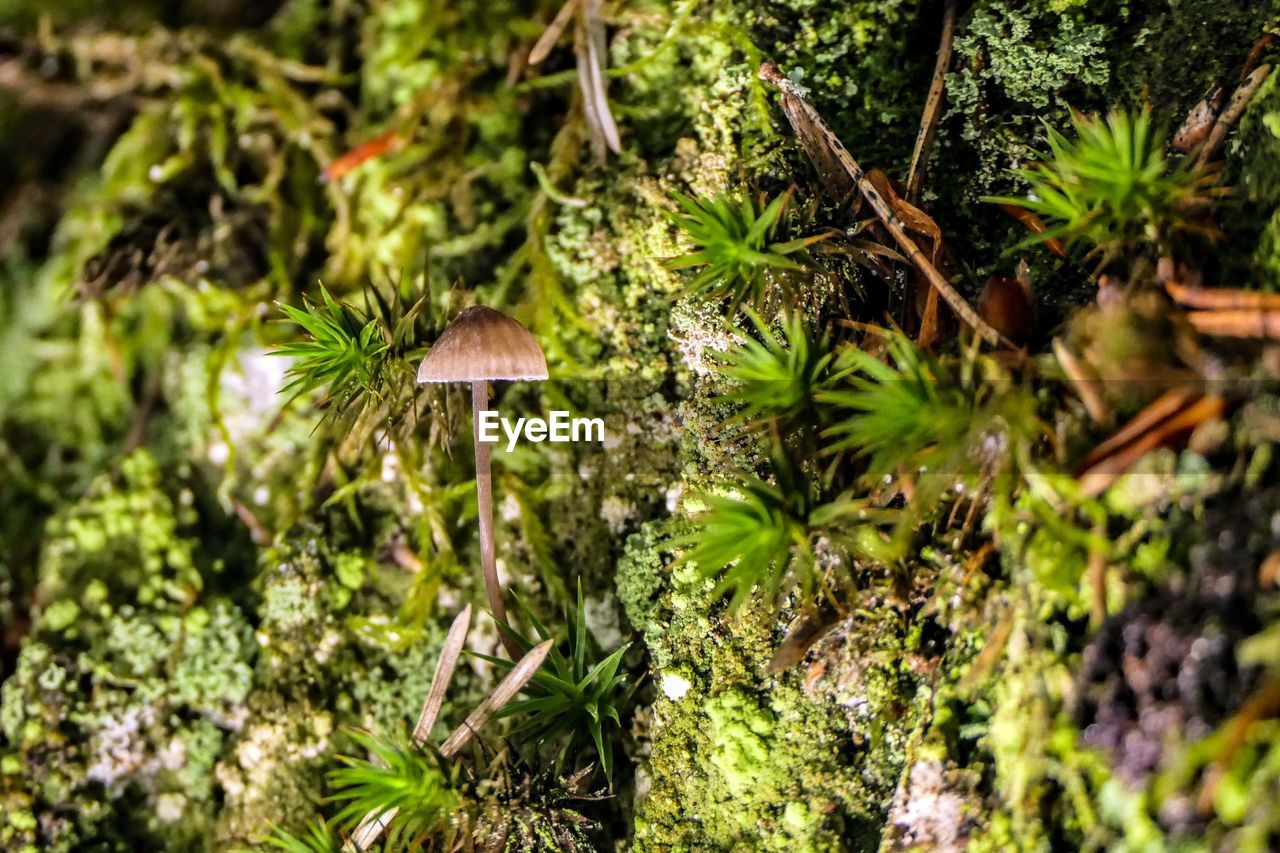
936	349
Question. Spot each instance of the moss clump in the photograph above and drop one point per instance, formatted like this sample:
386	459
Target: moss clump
134	676
739	757
744	767
328	656
179	689
1258	144
641	576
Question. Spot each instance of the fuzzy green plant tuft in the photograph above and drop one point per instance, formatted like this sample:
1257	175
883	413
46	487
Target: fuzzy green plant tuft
572	698
937	422
896	409
318	837
341	352
777	376
396	775
1112	189
762	537
734	247
361	356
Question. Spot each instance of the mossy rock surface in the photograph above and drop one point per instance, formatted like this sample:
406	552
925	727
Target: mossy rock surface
205	582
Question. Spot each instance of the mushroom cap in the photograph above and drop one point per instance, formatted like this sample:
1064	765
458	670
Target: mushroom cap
482	343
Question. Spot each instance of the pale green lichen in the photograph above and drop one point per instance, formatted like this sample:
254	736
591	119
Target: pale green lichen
158	661
213	711
1259	149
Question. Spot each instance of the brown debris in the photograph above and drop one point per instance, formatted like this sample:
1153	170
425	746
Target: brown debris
1262	705
1237	323
1169	419
828	153
932	105
1164	407
552	34
1222	298
1035	225
804	632
1269	571
1196	126
1086	385
1097	574
591	48
1231	113
1228	312
381	144
372	825
1009	306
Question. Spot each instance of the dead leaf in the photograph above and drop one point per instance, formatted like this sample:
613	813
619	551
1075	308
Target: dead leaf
1099	476
828	152
1237	323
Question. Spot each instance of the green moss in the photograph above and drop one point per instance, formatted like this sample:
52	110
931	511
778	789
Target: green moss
1258	144
742	758
161	701
1031	55
734	747
641	575
740	735
136	692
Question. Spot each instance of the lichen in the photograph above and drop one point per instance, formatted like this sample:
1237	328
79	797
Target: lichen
203	585
161	650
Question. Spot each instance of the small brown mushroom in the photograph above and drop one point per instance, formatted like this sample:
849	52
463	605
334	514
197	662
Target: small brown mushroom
482	344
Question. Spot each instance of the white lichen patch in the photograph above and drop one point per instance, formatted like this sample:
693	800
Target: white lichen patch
509	509
675	686
328	645
616	513
119	749
698	333
250	392
673	495
170	807
601	616
932	816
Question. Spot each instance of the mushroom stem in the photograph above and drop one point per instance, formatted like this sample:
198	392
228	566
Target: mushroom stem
484	507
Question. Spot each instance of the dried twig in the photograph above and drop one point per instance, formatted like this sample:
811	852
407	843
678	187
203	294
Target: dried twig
1264	703
553	32
365	151
591	48
1165	406
1099	476
803	634
449	654
1228	312
1097	573
1231	114
1196	126
830	156
1237	323
1086	386
517	678
1035	225
932	106
1256	52
373	824
257	531
1222	298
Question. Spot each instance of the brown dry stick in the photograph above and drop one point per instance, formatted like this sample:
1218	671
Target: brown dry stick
932	106
1231	114
826	150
